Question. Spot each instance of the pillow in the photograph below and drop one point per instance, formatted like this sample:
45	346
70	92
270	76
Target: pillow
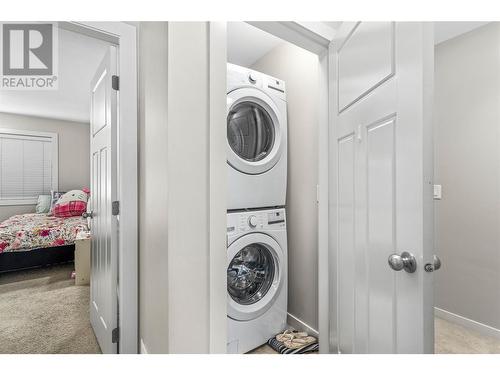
43	204
54	197
72	203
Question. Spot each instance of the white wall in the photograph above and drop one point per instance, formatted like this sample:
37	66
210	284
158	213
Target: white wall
299	69
74	153
182	196
153	238
467	165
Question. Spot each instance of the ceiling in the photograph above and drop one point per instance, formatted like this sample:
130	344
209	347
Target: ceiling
246	44
79	57
447	30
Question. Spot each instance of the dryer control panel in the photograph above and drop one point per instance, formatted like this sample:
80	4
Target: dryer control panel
248	221
247	77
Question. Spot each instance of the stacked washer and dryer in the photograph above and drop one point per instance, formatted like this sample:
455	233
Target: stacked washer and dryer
256	220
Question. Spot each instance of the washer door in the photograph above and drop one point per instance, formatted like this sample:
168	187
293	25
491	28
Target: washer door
254	138
254	275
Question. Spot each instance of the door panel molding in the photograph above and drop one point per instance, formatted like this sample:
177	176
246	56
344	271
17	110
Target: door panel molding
354	89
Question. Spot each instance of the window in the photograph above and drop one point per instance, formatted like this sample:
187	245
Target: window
28	165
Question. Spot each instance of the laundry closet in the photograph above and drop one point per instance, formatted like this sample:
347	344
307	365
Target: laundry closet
277	193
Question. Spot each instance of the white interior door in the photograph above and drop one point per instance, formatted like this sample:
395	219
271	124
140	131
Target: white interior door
103	282
381	166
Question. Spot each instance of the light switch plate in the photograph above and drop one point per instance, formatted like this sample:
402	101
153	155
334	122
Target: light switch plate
437	192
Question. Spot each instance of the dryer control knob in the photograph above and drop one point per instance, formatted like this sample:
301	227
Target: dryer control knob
251	78
252	221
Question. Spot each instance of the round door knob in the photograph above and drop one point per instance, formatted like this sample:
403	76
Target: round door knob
88	215
404	261
396	262
252	221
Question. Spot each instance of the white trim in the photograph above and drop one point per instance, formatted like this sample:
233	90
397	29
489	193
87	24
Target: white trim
296	33
300	35
144	349
217	197
324	260
467	323
28	133
319	28
77	122
300	325
125	36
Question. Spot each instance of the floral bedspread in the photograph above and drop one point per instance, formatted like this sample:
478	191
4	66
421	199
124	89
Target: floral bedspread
34	231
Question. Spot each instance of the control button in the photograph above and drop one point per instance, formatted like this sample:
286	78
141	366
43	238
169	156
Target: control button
252	221
252	78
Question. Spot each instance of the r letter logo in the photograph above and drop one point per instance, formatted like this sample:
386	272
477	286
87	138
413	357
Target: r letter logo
29	60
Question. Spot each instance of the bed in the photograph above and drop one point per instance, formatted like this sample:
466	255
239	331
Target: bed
32	240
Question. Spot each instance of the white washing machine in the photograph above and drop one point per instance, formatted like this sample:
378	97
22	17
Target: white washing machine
256	139
256	278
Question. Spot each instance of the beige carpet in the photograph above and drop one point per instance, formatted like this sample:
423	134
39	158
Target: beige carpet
451	338
42	311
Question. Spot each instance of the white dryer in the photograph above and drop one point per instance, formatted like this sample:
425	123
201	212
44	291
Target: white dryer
256	278
256	139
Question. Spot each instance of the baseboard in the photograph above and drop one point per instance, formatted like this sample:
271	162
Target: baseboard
144	350
468	323
301	326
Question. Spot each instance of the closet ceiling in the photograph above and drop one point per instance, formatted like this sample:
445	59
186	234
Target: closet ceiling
246	44
447	30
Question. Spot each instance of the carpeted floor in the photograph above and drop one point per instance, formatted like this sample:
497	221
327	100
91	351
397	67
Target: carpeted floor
452	338
42	311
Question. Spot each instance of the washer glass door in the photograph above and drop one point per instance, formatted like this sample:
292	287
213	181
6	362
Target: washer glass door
250	274
256	269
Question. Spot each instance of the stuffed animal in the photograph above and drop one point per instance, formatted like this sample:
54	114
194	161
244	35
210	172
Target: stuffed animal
72	203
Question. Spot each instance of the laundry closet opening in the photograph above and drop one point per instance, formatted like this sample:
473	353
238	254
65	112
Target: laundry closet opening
272	162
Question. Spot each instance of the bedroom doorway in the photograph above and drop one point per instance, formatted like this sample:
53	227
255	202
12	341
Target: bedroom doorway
45	237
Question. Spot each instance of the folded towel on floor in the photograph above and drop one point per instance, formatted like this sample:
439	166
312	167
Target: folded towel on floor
293	342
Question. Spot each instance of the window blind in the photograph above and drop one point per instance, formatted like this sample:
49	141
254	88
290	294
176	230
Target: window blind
27	166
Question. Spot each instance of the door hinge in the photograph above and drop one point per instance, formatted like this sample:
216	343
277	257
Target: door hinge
115	335
115	83
115	208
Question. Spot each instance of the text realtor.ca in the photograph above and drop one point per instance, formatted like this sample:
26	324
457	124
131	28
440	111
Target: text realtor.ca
29	82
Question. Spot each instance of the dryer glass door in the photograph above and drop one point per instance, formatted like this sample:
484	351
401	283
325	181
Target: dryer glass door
250	131
255	138
250	274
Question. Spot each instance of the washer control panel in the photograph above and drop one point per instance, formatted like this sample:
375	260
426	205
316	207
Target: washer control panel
253	221
247	221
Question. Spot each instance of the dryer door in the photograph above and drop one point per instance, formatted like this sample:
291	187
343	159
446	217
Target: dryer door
256	267
254	137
